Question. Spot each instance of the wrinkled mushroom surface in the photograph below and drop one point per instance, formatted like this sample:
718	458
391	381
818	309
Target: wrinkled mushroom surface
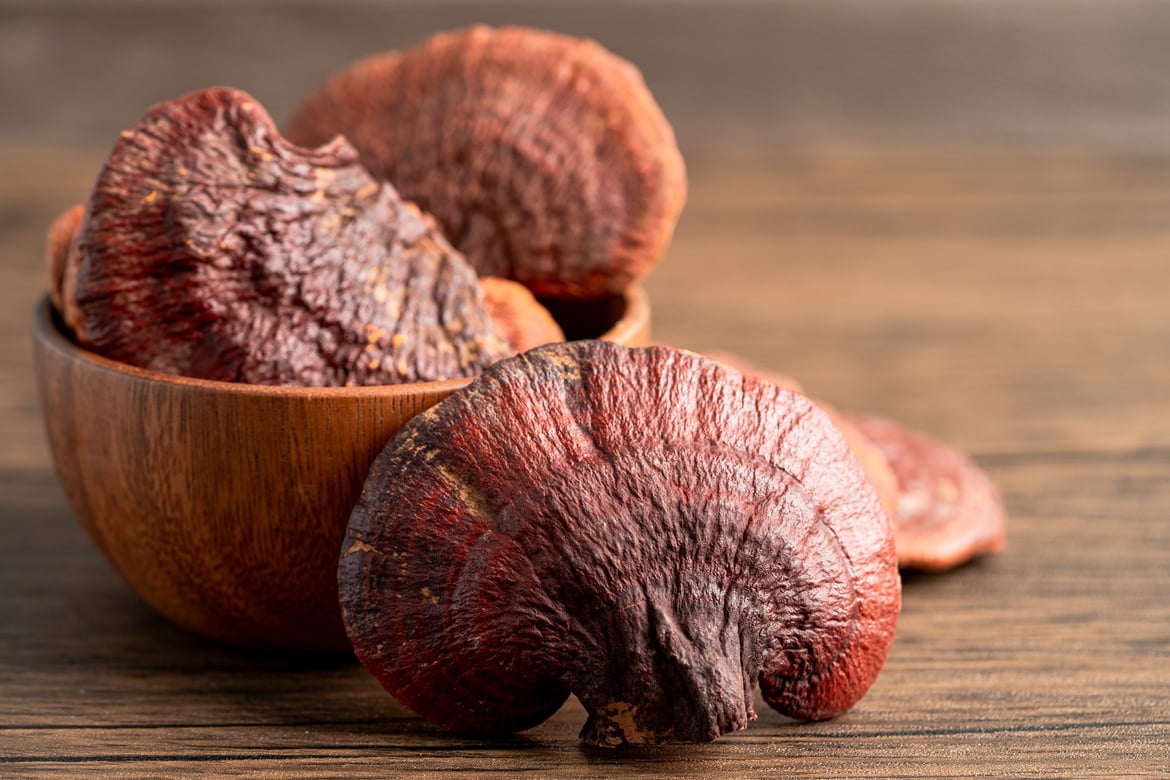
214	248
872	459
745	366
946	509
543	157
644	528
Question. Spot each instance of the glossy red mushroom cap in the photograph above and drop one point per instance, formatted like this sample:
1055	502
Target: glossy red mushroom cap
644	528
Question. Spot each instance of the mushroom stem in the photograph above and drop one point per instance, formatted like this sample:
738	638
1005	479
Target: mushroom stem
676	682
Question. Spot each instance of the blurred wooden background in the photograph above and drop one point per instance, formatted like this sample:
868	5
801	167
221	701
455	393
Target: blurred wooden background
772	75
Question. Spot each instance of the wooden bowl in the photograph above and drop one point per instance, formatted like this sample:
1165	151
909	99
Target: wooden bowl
224	505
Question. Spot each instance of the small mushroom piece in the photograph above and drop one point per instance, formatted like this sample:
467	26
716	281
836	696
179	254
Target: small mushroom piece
644	528
947	510
64	261
62	253
544	158
519	318
214	248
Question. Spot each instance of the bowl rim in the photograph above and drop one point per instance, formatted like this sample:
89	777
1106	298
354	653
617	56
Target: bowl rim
47	332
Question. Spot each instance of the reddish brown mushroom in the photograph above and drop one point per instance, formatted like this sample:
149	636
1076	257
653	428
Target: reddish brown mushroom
519	318
872	459
61	250
543	157
744	366
947	510
644	528
944	509
63	256
214	248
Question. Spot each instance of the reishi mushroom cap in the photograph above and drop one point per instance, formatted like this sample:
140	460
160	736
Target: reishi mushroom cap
644	528
544	157
946	510
872	459
214	248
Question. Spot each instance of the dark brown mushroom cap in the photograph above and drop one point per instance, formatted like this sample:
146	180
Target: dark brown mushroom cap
644	528
214	248
946	509
543	157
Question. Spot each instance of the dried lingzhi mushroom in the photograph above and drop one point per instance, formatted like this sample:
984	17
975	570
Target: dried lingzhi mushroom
61	244
519	318
543	157
63	256
867	453
946	509
872	459
214	248
646	529
743	366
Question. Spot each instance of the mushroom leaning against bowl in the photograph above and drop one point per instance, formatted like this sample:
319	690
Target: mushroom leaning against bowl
644	528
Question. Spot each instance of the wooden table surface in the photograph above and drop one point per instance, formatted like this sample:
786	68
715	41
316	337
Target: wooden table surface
1011	302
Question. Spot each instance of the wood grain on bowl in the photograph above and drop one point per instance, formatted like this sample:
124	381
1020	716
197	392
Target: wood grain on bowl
223	505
